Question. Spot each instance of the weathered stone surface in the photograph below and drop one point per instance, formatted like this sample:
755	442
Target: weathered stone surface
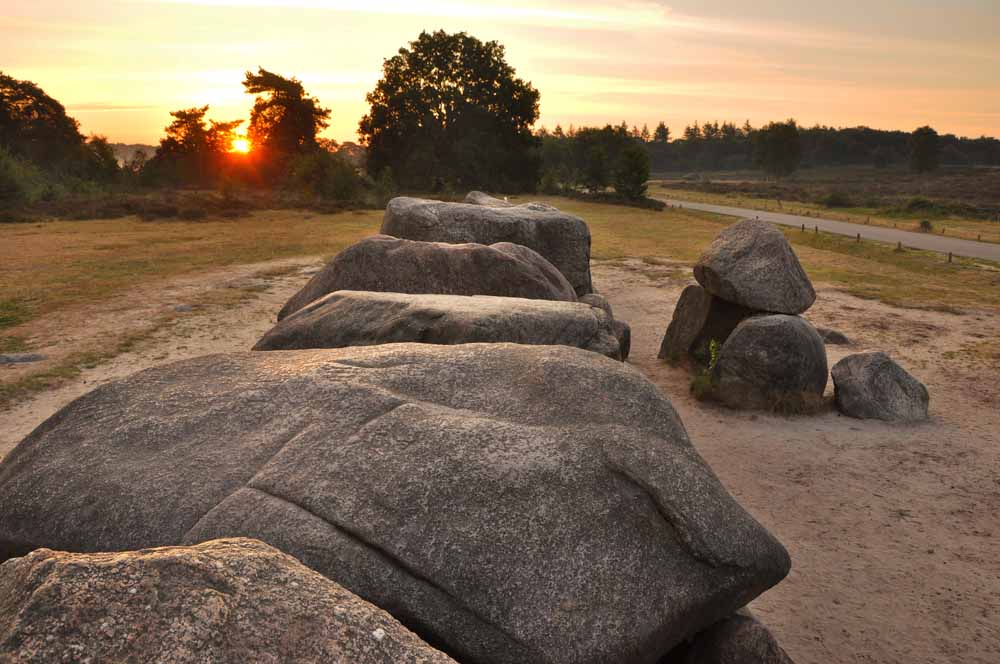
699	318
833	337
738	639
389	264
564	240
508	503
753	265
873	386
364	318
773	362
599	301
481	198
225	601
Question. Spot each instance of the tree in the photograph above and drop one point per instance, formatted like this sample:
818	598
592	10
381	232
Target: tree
193	151
102	164
285	121
325	174
595	169
644	135
450	108
662	133
632	173
34	126
925	150
778	148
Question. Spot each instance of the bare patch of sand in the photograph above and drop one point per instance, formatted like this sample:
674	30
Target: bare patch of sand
892	529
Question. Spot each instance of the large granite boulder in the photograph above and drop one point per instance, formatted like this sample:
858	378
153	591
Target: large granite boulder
564	240
873	386
739	639
364	318
389	264
508	503
752	264
224	601
699	318
773	363
482	198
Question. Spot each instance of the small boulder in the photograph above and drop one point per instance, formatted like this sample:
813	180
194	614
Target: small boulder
364	318
873	386
833	337
564	240
508	503
481	198
752	264
738	639
389	264
699	318
775	362
224	601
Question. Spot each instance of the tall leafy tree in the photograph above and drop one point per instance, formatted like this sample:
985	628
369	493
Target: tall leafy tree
778	148
925	150
35	126
449	107
285	120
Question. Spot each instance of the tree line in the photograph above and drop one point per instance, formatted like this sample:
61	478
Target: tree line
778	149
449	112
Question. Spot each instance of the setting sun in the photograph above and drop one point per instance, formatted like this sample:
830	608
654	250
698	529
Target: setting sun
241	145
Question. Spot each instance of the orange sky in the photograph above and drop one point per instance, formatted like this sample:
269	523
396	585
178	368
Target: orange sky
121	66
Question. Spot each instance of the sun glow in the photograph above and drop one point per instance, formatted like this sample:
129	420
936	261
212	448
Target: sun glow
240	145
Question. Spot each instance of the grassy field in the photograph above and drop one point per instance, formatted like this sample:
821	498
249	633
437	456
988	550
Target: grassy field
51	265
51	268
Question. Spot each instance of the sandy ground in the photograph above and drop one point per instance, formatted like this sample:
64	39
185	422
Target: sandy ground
893	530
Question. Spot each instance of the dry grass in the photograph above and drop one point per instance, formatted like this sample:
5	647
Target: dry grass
53	265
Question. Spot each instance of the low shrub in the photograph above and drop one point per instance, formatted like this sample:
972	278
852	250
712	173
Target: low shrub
836	199
20	181
326	175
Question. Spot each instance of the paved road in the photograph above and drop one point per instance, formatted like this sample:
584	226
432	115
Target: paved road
942	243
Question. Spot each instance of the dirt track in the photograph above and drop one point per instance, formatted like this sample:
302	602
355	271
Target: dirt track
892	529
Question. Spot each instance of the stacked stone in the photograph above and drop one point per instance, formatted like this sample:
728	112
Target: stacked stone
481	271
752	290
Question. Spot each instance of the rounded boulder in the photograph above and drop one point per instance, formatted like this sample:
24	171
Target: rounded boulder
873	386
752	264
773	362
389	264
